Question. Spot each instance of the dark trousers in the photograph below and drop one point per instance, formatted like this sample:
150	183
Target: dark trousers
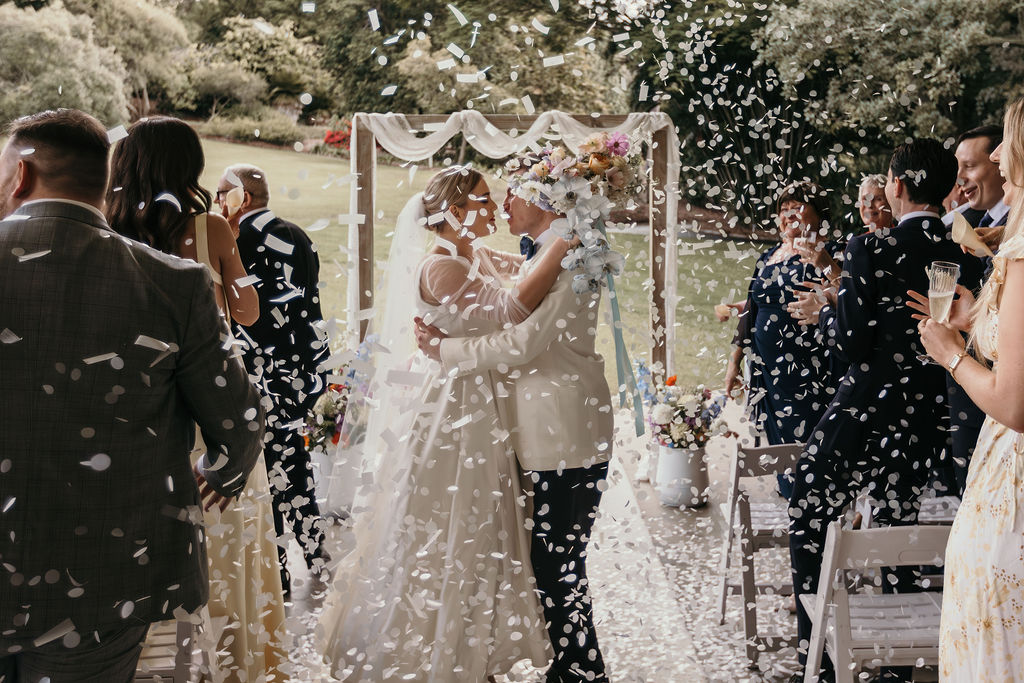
106	657
565	505
820	501
290	471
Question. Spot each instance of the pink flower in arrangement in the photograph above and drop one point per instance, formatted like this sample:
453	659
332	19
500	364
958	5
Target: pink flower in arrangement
618	144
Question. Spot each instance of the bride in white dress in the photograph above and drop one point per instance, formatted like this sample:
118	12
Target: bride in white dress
439	585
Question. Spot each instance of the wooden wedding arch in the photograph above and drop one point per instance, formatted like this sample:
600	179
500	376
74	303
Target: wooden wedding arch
661	147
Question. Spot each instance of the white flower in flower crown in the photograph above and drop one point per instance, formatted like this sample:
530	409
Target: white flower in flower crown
567	191
661	414
530	191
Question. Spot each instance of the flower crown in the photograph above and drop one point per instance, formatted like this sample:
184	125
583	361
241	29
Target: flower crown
606	170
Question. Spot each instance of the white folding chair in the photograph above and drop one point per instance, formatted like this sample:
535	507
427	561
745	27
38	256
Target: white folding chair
760	524
870	630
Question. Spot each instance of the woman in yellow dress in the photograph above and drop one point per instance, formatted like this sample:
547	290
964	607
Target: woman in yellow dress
155	197
982	631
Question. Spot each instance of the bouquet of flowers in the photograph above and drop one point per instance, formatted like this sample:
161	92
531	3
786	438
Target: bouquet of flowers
685	419
607	169
323	423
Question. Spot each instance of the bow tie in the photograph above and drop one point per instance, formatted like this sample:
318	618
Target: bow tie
527	247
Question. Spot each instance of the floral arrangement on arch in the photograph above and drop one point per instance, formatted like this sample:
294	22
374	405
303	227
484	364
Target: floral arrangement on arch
606	170
682	418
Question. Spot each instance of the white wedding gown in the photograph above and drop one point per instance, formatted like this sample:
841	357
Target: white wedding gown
439	586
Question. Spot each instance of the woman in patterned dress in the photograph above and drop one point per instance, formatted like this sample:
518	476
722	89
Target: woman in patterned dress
982	631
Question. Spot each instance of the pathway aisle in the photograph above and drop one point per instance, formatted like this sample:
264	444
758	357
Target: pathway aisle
639	590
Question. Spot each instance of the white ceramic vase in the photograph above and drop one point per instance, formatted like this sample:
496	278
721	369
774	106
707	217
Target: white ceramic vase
682	477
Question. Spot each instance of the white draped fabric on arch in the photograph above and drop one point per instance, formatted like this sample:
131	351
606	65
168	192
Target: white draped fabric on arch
497	136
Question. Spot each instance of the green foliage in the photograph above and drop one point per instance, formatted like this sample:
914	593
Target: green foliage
148	39
288	63
50	58
264	125
882	72
212	84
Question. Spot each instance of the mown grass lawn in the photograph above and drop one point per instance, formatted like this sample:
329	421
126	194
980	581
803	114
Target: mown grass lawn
305	190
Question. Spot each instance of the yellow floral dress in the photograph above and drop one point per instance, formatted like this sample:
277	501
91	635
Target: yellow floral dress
982	630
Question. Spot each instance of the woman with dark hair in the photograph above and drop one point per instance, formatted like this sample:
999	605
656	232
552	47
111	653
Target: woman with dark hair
790	369
155	197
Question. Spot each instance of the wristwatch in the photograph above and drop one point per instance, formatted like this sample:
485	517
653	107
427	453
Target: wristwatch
955	361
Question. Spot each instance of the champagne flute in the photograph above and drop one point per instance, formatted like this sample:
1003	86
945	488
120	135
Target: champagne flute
942	278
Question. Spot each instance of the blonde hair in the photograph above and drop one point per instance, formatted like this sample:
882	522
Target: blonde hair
451	187
1013	149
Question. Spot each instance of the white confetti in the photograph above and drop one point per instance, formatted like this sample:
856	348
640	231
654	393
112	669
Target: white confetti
554	61
99	359
247	280
528	105
318	225
29	257
8	337
541	28
458	15
374	20
117	133
98	462
388	91
278	245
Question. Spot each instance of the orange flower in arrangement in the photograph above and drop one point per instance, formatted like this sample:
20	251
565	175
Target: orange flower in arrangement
671	381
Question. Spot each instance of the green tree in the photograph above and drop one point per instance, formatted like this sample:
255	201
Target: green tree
289	64
874	71
148	38
50	58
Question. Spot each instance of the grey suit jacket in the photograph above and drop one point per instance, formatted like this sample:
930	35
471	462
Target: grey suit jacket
110	353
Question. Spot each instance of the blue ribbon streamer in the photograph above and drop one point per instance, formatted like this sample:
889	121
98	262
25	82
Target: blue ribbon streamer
623	366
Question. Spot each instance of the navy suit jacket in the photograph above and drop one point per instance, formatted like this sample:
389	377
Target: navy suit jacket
890	409
284	346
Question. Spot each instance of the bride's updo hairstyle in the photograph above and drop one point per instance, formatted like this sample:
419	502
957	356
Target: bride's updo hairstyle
451	187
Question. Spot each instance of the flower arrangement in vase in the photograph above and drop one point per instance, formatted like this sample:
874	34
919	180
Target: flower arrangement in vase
681	418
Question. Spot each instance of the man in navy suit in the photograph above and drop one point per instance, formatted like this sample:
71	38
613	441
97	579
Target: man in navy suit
283	351
982	185
885	426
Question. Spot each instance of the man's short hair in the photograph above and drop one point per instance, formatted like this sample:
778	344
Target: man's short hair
992	132
253	179
67	148
927	168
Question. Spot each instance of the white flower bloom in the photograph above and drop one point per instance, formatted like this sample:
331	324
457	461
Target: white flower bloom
677	431
661	414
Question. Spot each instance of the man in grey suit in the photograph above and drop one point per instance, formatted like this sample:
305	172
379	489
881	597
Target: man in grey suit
110	352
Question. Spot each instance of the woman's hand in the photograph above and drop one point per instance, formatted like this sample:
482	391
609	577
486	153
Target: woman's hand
959	312
942	341
807	307
733	381
724	311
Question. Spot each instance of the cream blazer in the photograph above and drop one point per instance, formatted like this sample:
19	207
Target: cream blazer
550	379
